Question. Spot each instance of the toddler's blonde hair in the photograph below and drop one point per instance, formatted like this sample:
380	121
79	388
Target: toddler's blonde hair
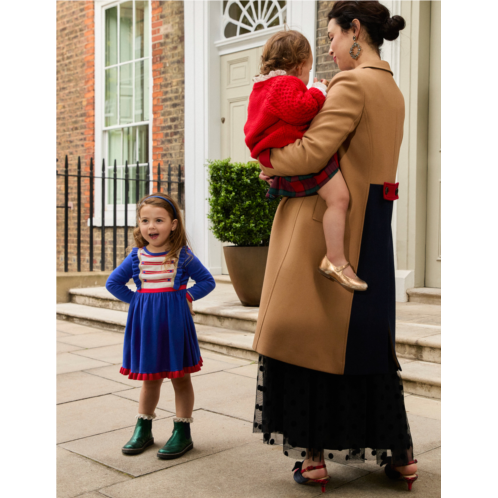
285	50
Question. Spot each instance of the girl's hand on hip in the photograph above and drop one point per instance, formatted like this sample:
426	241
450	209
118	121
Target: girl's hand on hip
191	308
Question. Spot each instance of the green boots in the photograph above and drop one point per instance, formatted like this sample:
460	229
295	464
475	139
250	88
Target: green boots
180	441
142	437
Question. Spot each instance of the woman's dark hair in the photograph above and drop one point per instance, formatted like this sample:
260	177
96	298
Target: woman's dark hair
373	16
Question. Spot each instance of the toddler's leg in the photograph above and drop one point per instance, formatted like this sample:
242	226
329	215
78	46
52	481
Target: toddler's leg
181	440
335	193
142	436
149	396
184	396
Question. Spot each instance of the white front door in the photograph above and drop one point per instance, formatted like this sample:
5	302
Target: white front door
237	72
433	240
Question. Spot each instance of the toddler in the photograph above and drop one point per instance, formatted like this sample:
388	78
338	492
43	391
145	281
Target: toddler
280	111
160	340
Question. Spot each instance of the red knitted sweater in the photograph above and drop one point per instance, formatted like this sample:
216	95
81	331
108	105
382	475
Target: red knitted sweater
279	112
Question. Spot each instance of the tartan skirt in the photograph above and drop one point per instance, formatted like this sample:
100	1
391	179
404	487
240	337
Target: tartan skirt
303	185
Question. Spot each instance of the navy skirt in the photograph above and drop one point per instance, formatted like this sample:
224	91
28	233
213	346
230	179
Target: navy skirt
160	338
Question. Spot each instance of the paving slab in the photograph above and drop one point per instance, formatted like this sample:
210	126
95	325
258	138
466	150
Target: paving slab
77	475
66	348
93	494
111	372
220	392
80	385
211	365
253	470
376	484
69	362
426	433
71	328
206	353
110	354
211	433
61	334
250	371
92	416
430	461
95	340
425	407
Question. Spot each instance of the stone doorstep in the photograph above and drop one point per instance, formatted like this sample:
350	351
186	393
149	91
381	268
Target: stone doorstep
424	295
421	377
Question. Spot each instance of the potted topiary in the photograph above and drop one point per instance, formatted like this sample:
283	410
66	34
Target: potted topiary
241	215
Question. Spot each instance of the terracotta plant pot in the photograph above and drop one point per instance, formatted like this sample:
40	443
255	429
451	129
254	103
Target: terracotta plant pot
246	266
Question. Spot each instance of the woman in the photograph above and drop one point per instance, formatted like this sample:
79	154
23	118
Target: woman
328	386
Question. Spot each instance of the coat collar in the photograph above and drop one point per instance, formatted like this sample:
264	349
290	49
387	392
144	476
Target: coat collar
384	65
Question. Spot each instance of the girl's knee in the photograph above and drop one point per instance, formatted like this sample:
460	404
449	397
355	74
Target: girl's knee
152	384
181	382
339	200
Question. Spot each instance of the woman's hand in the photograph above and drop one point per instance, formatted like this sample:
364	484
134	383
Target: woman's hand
325	82
266	178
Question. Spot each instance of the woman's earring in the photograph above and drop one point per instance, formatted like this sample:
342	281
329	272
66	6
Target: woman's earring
351	50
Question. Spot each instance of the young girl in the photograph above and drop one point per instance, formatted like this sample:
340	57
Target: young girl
160	340
279	112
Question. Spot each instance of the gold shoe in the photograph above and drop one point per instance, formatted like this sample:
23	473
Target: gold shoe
327	269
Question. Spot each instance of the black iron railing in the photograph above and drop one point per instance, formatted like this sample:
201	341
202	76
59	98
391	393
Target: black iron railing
133	184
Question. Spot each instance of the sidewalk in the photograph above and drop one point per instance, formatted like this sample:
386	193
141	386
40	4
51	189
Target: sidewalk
96	415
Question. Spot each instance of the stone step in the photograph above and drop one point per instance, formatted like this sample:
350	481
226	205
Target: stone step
102	318
418	341
225	341
420	377
230	314
414	340
424	295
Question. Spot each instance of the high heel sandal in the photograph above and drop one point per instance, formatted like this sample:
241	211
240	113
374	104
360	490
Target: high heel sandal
396	476
300	479
327	269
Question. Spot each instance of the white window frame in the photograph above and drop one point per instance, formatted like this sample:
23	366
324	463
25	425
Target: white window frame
100	130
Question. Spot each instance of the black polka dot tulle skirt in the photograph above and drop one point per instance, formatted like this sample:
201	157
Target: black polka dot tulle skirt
351	418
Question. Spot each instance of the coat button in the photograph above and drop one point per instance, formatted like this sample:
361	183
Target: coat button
387	190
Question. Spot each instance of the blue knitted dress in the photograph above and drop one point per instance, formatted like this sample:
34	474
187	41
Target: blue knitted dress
160	338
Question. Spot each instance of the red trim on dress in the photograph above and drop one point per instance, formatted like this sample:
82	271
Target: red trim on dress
161	375
167	289
189	297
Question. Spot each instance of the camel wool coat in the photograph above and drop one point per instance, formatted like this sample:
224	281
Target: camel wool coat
304	318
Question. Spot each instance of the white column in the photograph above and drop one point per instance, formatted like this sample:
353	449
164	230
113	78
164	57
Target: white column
202	116
301	16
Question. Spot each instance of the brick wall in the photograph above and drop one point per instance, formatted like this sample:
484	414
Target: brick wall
76	120
75	114
168	71
326	68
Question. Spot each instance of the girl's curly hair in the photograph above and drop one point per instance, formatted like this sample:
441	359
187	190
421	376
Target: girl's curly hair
284	50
